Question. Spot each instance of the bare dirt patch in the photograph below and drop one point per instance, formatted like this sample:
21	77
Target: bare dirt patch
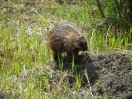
109	74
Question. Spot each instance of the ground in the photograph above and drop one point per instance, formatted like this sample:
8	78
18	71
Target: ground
108	73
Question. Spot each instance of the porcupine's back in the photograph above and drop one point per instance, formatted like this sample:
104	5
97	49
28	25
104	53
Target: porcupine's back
62	36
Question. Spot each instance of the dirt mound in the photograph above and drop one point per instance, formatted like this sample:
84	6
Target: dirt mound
114	75
110	74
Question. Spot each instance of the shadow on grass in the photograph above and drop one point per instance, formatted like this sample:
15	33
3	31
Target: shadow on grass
85	64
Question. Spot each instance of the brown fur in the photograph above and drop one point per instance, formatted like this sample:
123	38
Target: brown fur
66	38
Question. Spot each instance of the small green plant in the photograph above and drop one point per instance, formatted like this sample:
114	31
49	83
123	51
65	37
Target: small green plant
73	64
60	60
103	89
78	81
115	67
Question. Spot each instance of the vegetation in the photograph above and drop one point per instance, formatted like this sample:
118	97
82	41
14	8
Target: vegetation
24	57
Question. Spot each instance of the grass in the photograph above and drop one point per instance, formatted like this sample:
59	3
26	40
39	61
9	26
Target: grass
22	42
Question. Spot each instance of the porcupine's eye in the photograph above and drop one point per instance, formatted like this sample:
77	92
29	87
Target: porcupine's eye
81	44
77	43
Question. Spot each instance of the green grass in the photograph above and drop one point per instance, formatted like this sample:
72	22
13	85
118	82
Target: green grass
22	40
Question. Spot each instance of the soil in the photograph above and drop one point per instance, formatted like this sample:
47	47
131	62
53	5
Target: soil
114	72
109	74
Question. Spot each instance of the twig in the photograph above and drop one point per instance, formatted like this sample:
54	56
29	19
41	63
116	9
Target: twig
101	11
89	84
107	34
